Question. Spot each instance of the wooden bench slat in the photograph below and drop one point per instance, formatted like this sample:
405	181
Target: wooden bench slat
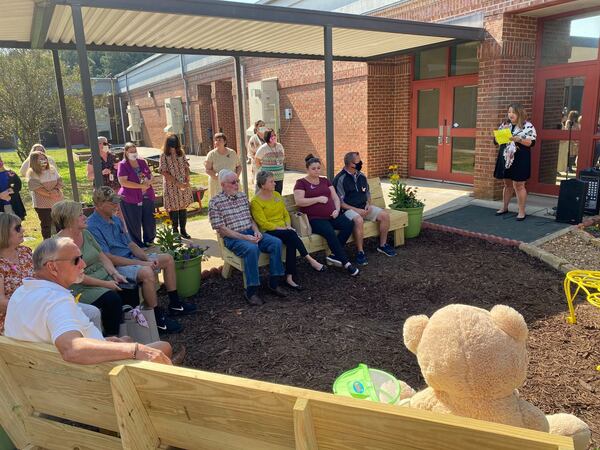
52	435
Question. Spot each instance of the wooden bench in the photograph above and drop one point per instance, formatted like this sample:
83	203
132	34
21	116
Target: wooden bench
154	406
314	242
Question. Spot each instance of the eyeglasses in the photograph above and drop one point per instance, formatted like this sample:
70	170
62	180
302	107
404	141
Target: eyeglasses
234	182
75	261
18	228
105	144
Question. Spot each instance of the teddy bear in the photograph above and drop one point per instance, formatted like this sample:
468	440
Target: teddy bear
473	361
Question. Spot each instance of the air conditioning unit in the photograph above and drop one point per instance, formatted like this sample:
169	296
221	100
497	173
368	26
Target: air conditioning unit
135	123
174	115
103	122
263	101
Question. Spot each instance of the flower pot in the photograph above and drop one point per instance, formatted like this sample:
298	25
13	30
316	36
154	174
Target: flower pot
188	276
415	218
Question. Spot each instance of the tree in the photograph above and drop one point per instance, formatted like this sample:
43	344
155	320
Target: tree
28	98
104	64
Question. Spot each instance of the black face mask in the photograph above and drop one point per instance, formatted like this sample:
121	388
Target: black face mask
358	166
172	143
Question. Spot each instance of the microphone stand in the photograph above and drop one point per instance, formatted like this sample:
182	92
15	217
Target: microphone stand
569	150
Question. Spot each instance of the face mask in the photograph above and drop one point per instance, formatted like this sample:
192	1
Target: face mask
262	129
132	156
172	143
44	163
358	166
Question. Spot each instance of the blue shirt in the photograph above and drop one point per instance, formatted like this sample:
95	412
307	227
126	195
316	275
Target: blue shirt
111	236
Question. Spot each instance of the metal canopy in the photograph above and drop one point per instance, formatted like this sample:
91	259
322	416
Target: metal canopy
217	27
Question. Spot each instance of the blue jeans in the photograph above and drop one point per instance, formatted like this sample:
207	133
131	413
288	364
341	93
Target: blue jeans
249	252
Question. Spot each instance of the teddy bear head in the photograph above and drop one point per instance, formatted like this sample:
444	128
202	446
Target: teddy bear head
469	352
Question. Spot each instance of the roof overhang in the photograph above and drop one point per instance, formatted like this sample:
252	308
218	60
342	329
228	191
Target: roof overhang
558	7
218	27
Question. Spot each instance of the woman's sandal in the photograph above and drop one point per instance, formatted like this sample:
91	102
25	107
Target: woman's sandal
500	213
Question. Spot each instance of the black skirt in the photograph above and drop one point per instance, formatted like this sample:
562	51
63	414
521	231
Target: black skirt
520	169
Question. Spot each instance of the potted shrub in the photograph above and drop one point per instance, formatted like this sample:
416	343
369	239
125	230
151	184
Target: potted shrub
188	257
404	198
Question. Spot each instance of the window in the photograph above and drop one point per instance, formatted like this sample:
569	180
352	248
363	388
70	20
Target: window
464	59
571	39
432	63
562	103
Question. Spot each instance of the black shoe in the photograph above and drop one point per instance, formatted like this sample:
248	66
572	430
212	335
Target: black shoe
353	271
184	234
297	288
521	219
182	309
500	213
254	300
277	291
166	325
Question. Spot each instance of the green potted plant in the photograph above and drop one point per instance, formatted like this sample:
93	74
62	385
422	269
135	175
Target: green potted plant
404	198
188	257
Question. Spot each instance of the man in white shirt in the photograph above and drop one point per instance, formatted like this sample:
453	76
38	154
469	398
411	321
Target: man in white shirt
44	310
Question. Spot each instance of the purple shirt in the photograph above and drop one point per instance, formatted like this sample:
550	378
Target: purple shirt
133	195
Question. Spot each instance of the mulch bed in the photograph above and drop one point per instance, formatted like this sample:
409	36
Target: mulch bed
338	321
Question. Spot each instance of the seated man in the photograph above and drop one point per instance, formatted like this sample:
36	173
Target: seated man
229	215
132	262
352	187
44	310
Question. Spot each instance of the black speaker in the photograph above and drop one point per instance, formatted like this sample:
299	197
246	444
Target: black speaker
571	201
592	199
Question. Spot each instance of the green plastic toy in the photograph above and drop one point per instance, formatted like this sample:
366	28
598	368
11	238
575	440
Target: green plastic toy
369	384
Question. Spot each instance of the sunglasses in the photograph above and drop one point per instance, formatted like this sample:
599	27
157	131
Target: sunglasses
105	144
75	261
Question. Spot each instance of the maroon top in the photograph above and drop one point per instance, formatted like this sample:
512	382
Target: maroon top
318	210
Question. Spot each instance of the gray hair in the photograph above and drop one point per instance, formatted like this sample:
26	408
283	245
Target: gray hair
348	157
47	251
224	174
262	177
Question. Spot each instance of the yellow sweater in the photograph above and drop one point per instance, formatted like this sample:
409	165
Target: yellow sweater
269	214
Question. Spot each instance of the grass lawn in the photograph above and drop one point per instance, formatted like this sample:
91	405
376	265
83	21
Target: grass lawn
31	223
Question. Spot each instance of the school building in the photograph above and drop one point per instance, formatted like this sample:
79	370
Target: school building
431	111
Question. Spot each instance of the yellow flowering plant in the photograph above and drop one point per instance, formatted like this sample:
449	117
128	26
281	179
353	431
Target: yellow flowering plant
170	242
401	195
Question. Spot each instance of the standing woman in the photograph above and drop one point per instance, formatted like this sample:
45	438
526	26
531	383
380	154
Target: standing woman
27	162
255	141
514	159
177	194
10	186
108	164
316	197
46	186
219	158
271	216
137	204
270	157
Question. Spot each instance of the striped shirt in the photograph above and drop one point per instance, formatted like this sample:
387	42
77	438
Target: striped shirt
272	159
231	211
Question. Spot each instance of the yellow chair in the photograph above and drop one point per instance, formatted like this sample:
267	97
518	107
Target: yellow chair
586	280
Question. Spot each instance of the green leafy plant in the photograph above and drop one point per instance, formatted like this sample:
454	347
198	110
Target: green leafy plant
401	195
170	242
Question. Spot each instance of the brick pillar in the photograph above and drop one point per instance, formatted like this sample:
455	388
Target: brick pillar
224	111
388	121
205	125
506	75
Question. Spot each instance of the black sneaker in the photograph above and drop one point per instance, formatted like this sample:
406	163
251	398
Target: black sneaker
166	325
182	309
353	271
333	260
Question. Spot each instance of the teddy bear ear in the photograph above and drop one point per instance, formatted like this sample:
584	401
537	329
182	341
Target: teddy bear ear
510	321
413	331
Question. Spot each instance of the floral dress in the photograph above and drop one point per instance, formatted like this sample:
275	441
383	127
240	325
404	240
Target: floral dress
177	166
14	273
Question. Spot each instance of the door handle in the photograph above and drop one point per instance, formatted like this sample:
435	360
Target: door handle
441	135
448	130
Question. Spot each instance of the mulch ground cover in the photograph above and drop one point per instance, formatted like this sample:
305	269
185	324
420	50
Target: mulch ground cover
311	337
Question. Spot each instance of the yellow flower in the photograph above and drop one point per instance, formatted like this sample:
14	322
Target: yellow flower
394	177
168	222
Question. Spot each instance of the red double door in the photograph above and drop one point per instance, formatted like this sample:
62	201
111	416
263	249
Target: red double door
443	129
